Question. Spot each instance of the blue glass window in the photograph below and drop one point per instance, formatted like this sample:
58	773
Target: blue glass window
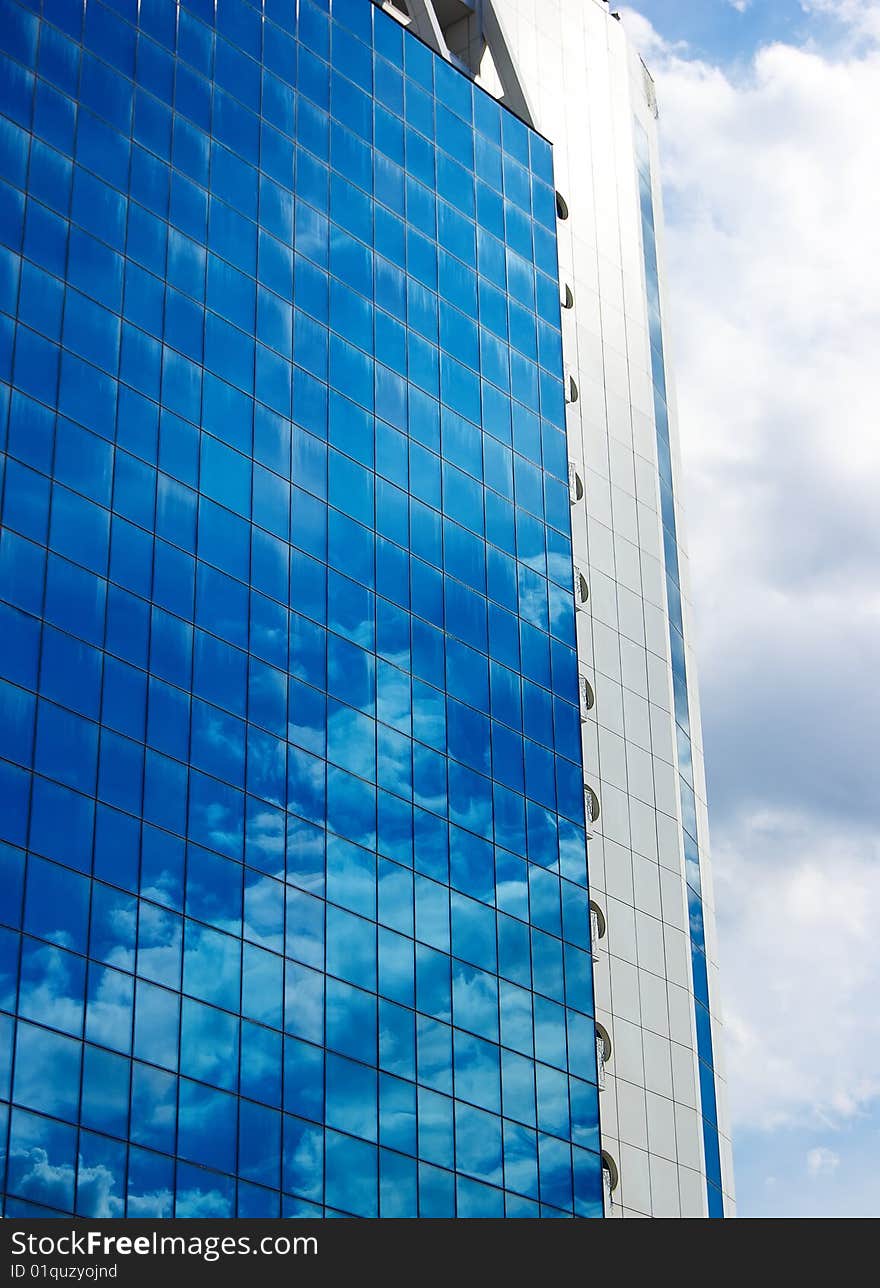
289	704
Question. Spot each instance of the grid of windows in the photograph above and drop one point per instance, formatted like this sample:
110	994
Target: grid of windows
711	1148
293	861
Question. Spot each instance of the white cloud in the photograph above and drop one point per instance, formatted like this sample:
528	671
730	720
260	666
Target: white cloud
798	920
859	17
772	188
646	39
822	1161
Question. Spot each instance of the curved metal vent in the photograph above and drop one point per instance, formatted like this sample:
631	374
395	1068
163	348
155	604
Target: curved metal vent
597	928
575	484
610	1179
591	809
587	696
603	1053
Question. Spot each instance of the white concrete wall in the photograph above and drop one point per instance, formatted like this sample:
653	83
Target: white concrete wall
584	86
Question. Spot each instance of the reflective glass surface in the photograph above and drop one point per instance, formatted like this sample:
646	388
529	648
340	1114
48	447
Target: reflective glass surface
294	904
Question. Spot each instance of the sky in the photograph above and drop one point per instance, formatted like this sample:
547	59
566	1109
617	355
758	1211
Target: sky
770	159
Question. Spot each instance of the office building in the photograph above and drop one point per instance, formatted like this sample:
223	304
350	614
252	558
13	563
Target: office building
347	730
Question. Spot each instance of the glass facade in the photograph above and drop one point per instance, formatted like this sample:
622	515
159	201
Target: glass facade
294	892
687	798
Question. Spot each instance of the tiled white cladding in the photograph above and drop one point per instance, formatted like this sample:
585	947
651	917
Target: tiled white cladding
583	85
